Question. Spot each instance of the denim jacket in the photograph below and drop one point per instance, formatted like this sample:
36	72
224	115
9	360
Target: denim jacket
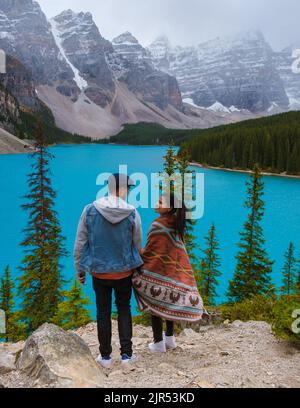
109	237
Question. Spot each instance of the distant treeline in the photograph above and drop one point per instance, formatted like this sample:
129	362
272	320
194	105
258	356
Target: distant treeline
150	134
272	142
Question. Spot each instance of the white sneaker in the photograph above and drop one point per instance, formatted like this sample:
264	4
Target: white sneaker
170	342
158	347
125	359
104	362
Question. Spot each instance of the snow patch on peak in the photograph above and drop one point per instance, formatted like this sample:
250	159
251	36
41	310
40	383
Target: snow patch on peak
273	107
294	104
234	109
190	102
218	107
81	82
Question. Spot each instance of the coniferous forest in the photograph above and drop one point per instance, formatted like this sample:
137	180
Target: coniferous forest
272	142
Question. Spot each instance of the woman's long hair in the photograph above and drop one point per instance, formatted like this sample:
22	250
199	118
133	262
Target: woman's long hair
180	213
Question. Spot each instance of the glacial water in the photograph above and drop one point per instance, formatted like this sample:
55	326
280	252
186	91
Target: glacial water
75	169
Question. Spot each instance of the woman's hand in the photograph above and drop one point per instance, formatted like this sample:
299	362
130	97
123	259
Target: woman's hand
81	276
142	251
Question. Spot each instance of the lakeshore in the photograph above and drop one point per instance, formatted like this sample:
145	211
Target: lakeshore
199	165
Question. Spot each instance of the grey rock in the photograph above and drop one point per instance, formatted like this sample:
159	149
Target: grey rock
19	82
86	49
27	36
132	64
60	359
7	362
235	71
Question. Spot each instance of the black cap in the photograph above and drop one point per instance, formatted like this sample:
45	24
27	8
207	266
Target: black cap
118	180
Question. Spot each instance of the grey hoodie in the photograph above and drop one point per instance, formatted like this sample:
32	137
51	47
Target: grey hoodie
114	210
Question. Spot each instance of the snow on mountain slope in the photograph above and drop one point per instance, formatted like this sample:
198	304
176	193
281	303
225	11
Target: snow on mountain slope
218	107
234	71
85	49
26	35
129	47
81	83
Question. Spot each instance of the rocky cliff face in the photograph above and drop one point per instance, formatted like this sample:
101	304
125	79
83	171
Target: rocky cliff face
26	35
19	82
132	64
94	86
9	108
235	71
84	49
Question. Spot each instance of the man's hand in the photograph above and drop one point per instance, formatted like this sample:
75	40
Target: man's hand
81	276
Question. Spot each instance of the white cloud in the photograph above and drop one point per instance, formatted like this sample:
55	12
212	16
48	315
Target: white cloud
189	21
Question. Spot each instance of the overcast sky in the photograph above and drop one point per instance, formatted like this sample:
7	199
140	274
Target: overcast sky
188	22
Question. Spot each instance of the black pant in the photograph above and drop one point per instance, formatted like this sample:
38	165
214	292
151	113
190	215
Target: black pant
123	289
157	327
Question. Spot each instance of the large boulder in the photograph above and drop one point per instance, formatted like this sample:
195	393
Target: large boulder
7	362
59	359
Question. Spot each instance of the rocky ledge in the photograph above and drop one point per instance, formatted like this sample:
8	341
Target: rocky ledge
239	355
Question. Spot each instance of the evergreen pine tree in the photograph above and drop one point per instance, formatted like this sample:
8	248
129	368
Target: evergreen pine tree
170	161
289	271
72	312
40	283
183	163
13	330
253	270
209	268
298	278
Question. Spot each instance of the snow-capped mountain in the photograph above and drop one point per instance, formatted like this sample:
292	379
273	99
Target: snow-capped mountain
83	48
94	86
284	62
235	71
91	87
132	65
129	47
26	35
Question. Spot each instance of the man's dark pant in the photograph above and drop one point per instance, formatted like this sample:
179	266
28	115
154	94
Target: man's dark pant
123	289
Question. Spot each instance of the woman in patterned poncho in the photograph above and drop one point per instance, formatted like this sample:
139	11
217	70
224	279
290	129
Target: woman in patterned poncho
165	286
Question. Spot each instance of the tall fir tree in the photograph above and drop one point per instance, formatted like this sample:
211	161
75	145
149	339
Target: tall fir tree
298	277
289	272
14	331
183	163
170	161
41	281
209	268
253	271
72	312
179	164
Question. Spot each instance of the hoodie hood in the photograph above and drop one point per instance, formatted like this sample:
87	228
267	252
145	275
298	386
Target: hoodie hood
113	209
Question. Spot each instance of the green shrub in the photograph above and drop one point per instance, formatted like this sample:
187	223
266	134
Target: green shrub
143	319
284	320
257	308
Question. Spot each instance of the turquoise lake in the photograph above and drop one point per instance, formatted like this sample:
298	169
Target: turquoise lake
75	170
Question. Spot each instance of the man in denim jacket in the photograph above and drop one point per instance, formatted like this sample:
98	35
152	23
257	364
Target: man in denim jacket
108	245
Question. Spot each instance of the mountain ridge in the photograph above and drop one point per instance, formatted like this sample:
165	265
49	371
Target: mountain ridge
94	86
